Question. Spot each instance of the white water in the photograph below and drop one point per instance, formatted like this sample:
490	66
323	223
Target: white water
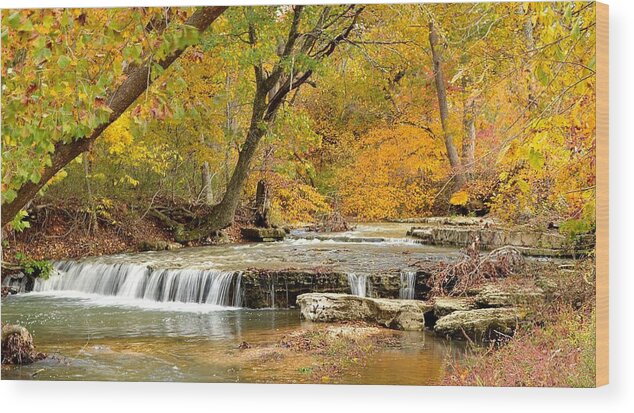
126	282
408	285
358	284
309	239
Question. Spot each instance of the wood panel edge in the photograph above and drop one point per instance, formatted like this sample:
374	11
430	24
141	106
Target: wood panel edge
602	194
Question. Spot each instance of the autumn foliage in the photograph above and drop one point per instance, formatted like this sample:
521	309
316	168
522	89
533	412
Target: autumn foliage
363	136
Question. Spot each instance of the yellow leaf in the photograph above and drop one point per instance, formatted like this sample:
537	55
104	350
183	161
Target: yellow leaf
459	198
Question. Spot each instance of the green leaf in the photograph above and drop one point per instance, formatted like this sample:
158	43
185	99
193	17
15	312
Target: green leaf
9	196
523	185
63	61
536	159
27	26
36	177
593	62
14	20
541	75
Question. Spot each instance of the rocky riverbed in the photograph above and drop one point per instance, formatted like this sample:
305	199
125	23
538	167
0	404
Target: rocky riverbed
373	275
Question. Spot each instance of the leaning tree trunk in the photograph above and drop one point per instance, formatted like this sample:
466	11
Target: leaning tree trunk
441	91
133	86
221	216
265	107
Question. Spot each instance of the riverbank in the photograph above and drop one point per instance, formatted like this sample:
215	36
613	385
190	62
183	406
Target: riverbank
60	232
556	350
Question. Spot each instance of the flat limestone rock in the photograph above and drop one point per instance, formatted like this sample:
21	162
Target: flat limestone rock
529	242
263	234
396	314
447	305
480	324
507	296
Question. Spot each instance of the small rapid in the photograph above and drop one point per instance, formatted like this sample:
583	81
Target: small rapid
138	282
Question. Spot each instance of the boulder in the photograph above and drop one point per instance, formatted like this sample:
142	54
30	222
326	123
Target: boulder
159	245
507	296
447	305
263	234
396	314
481	324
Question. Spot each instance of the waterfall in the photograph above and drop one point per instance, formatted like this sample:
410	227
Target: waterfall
358	284
272	292
215	287
408	285
238	292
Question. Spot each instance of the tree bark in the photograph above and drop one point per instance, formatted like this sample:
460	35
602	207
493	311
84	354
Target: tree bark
137	82
208	194
231	126
262	205
441	91
206	190
469	138
530	43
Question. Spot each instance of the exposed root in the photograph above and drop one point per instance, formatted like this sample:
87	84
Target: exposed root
17	346
474	269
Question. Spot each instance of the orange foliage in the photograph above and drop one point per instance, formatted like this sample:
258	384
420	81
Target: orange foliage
393	174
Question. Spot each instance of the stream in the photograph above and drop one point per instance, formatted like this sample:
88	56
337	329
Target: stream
176	315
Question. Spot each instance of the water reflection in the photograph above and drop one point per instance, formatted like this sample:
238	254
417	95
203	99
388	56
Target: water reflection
88	342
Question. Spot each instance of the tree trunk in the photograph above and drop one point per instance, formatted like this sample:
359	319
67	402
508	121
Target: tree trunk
136	83
262	205
221	216
93	226
530	42
441	91
207	191
469	138
265	107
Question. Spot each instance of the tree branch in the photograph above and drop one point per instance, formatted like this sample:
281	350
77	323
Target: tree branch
134	85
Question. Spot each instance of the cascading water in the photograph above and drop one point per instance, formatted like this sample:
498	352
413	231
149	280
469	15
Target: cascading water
408	285
272	292
221	288
358	284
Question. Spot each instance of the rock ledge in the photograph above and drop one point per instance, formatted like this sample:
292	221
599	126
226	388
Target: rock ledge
396	314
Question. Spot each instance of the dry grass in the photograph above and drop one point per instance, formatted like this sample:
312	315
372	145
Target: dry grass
556	351
558	354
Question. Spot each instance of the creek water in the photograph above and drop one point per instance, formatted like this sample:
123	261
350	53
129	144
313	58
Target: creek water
169	316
